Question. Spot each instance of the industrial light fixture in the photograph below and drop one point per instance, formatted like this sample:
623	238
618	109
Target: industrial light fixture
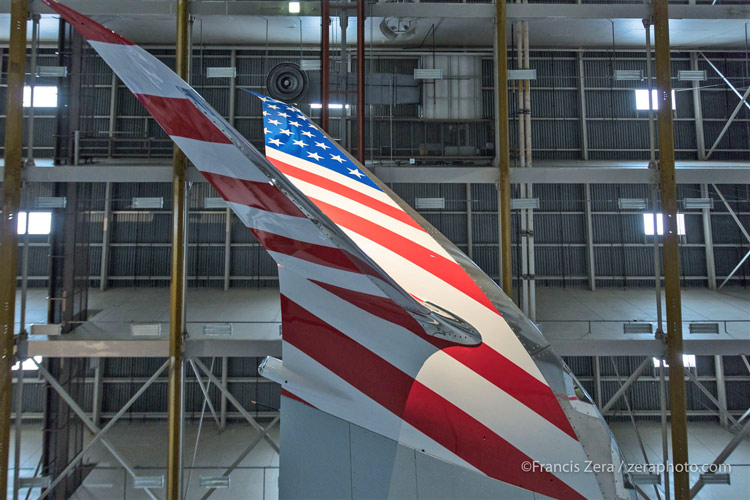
631	203
49	329
145	329
309	64
641	100
711	328
331	105
39	222
294	7
428	74
714	478
430	203
52	71
214	203
521	74
221	72
698	203
51	202
688	361
637	327
214	482
629	75
686	75
524	203
217	329
644	478
148	202
648	224
45	96
142	482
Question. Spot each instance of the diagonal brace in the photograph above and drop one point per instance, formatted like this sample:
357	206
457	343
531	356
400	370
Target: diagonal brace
204	390
624	387
237	404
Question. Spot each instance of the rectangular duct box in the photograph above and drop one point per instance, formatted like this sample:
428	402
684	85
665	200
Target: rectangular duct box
217	329
698	203
634	328
142	482
428	74
710	328
430	203
685	75
222	72
522	74
221	482
153	202
628	74
145	329
51	329
51	202
34	482
214	203
631	203
52	71
309	64
524	204
715	478
644	478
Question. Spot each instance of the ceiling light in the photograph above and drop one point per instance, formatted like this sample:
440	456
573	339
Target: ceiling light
294	7
522	74
698	203
428	74
628	74
52	71
631	203
222	72
685	75
524	203
430	203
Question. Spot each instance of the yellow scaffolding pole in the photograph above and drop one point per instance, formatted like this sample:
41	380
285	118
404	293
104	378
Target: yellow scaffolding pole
503	148
177	291
19	13
671	250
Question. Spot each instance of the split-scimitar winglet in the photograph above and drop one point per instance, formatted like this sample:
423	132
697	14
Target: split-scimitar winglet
386	324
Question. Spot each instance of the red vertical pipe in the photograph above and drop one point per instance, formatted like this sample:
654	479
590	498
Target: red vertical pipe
361	81
325	65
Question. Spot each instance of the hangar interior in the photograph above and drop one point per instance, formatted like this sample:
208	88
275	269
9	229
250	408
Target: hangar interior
93	270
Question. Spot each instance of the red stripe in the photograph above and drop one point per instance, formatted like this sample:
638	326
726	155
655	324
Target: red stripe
91	30
352	194
318	254
411	401
261	195
180	118
482	359
445	269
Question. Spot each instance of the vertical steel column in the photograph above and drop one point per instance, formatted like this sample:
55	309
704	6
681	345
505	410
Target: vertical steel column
32	84
503	148
469	222
9	225
325	63
112	113
708	241
671	251
721	389
582	97
700	139
177	292
361	81
106	222
590	238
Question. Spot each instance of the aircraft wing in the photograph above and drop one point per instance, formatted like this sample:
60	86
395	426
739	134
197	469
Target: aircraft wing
384	322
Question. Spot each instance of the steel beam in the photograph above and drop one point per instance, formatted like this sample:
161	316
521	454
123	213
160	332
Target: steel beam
671	250
624	387
361	81
723	455
9	225
503	147
721	388
106	222
582	107
700	138
177	292
708	241
591	258
325	62
32	85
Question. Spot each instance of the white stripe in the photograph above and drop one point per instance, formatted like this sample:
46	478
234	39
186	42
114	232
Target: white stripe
421	283
418	236
325	274
222	159
447	377
330	175
296	228
359	409
141	72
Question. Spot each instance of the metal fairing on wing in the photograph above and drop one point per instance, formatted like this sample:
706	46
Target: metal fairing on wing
386	324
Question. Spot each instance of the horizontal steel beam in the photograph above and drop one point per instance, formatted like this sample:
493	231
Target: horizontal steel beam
202	8
544	172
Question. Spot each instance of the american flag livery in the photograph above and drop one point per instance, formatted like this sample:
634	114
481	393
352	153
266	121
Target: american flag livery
386	324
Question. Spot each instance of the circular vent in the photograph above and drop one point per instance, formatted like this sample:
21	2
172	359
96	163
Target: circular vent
286	82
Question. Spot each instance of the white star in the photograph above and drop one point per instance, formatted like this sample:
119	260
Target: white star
275	142
285	115
322	145
314	155
274	122
311	125
264	99
301	117
296	124
356	173
285	132
273	106
292	109
266	131
306	133
266	113
300	143
337	158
